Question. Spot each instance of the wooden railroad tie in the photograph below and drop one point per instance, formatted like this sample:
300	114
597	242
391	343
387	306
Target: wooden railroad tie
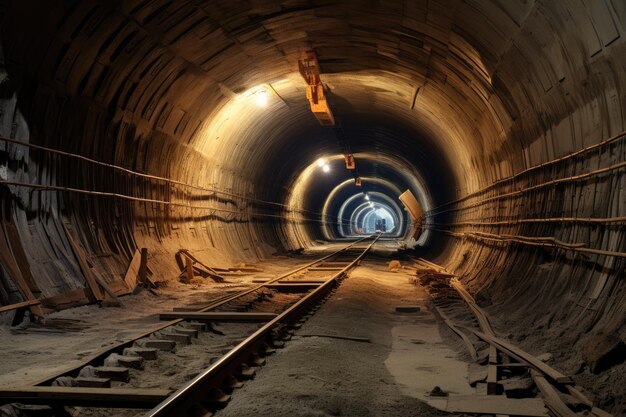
85	397
218	316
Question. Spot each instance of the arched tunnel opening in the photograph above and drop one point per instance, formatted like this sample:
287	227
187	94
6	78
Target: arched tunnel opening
165	154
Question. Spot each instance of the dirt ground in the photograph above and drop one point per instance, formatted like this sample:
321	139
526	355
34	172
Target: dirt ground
387	375
36	351
404	359
390	370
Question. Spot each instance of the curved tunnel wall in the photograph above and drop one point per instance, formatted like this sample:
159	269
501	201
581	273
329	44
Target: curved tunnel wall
468	93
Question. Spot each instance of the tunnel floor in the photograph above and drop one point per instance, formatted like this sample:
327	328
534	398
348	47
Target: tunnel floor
355	356
399	360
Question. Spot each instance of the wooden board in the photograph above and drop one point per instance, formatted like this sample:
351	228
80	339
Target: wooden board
229	317
496	404
20	256
16	306
84	396
468	343
552	398
13	269
296	286
132	273
526	357
412	205
326	268
97	293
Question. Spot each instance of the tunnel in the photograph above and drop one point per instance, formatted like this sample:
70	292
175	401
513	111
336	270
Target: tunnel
161	133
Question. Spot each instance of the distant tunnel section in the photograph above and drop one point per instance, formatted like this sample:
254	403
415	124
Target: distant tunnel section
349	210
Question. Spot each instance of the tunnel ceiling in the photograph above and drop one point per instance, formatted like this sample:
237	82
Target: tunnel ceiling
456	90
474	80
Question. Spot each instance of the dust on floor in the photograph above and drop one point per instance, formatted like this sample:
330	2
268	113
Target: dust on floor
387	376
39	350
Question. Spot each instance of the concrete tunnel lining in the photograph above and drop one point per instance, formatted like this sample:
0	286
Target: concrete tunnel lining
463	94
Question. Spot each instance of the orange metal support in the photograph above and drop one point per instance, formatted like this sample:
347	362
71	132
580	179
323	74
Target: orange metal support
310	71
350	163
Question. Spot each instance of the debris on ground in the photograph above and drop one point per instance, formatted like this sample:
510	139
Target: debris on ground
438	392
394	266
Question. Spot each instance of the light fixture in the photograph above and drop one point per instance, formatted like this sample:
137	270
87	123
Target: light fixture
326	168
367	197
321	162
260	97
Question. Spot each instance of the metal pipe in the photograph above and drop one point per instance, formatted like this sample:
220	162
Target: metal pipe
535	187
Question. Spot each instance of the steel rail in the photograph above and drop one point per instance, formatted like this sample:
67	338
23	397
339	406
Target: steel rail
543	375
195	392
119	347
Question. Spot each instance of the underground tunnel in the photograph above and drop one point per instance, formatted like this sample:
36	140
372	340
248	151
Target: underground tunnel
312	207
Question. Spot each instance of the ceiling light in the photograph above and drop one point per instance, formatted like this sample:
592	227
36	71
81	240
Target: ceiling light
321	162
367	197
261	98
326	168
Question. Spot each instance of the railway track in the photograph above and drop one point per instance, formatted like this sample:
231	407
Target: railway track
232	334
505	370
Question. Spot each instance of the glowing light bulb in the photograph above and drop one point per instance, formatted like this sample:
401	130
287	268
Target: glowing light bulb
326	168
321	162
261	98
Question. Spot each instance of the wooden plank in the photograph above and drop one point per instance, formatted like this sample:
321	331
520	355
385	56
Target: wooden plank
14	271
106	288
326	268
483	320
302	281
23	304
189	269
132	273
119	287
468	343
493	355
552	398
85	396
20	256
296	286
512	365
74	298
98	295
432	265
492	379
492	371
496	404
143	267
526	357
216	316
